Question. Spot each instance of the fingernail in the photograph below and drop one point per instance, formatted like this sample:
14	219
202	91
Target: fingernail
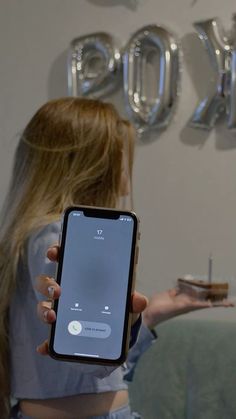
51	291
45	315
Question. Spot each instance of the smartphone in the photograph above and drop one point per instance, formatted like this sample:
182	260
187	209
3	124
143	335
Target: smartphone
96	272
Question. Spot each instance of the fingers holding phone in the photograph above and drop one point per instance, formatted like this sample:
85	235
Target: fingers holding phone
51	290
96	264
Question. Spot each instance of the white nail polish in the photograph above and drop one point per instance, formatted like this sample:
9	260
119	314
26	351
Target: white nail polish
51	291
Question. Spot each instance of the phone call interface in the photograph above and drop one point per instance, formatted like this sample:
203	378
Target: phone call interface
94	282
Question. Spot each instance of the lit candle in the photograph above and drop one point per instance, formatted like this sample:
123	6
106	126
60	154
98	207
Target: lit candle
210	268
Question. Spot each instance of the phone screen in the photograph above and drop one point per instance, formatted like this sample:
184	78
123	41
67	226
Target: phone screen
95	275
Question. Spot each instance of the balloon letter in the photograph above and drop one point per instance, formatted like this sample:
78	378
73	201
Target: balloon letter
94	64
151	74
216	102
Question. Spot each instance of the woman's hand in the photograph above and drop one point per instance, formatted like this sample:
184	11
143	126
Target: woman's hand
165	305
51	290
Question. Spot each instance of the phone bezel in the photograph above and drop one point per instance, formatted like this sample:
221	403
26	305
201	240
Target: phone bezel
107	213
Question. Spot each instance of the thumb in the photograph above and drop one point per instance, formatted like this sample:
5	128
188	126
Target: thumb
139	302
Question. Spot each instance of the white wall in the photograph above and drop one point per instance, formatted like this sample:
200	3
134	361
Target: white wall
185	180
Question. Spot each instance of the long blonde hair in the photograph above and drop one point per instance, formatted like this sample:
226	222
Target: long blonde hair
70	153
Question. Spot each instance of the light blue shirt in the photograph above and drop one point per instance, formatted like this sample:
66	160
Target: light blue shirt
40	377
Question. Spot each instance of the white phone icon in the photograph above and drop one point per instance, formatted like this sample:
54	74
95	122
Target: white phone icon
74	327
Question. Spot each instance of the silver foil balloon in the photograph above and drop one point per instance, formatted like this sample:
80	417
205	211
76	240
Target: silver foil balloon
151	75
218	99
94	65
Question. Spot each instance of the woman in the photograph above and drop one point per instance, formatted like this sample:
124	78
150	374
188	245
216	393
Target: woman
73	151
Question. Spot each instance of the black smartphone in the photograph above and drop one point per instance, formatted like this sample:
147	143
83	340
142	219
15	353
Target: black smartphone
96	271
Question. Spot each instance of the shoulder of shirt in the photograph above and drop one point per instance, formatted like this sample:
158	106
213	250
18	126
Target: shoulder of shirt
44	231
44	237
